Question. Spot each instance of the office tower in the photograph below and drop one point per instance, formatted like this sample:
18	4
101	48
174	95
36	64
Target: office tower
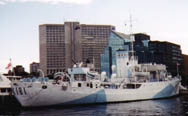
169	54
156	52
63	45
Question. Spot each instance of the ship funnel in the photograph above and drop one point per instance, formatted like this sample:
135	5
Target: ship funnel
122	61
103	76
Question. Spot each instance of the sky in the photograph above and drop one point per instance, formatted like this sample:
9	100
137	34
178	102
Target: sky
163	20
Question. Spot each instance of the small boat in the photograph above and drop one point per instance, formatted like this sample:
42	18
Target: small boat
6	97
5	86
130	81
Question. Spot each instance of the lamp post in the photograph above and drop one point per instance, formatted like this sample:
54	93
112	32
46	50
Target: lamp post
177	66
144	56
39	70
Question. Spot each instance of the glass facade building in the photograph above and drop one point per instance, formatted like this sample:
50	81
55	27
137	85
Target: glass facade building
141	47
116	41
168	54
145	50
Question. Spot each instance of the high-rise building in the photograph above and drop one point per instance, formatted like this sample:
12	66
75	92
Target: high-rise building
62	45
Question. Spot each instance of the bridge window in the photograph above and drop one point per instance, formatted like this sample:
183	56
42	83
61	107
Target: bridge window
9	90
3	90
133	86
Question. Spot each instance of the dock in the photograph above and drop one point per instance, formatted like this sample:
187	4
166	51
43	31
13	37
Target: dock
183	92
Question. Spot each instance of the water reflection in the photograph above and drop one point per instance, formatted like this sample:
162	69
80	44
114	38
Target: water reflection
5	111
145	108
177	106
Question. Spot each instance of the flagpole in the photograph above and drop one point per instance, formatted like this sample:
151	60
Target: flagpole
12	67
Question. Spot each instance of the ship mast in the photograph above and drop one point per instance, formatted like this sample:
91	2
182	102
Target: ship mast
131	36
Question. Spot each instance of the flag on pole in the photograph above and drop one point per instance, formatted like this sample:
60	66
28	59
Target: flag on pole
177	64
9	65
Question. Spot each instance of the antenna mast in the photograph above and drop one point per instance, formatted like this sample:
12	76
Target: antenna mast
131	39
132	49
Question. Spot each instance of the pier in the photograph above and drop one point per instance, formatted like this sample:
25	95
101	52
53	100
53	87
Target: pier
183	92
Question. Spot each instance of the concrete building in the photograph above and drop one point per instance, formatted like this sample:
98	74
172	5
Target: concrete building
62	45
34	68
19	71
185	64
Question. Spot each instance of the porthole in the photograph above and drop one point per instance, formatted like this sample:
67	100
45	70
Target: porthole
44	87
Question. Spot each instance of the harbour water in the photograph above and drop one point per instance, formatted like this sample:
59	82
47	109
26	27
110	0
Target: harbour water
176	106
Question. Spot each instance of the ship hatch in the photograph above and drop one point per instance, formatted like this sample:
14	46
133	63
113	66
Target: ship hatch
79	85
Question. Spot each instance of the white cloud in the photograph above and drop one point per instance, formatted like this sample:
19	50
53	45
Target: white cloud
2	2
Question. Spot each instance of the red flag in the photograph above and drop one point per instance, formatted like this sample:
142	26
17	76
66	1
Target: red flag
8	66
